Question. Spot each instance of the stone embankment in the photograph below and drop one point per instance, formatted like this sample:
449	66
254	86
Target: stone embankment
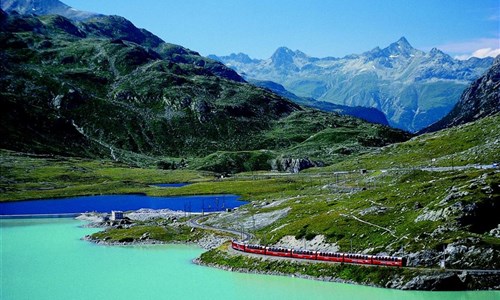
102	220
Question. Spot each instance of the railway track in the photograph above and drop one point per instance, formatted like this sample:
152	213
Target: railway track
194	222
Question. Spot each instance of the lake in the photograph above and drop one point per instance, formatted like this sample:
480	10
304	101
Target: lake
107	203
45	259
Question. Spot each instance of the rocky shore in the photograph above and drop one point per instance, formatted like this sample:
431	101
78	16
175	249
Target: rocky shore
422	280
404	279
162	217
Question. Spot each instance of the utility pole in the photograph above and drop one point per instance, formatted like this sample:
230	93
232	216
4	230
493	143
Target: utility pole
253	219
443	263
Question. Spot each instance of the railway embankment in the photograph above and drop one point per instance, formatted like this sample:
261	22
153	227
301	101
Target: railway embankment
385	277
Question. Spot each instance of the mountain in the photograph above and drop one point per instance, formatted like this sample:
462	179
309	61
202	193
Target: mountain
46	7
479	100
105	88
368	114
411	87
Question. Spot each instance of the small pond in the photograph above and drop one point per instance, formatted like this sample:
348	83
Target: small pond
107	203
170	185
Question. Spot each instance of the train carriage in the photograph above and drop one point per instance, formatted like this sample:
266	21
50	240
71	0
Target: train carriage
358	259
257	249
304	254
276	251
388	261
329	256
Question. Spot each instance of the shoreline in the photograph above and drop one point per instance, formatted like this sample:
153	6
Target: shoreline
389	278
199	262
208	242
416	283
420	280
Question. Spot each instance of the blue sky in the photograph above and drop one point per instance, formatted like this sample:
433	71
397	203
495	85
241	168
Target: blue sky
317	27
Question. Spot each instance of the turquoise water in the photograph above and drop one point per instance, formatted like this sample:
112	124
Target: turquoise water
45	259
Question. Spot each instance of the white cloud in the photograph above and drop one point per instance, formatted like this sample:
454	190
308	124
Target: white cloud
481	47
480	53
471	46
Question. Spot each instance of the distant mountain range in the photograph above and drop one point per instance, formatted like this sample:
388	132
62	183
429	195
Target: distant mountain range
369	114
479	100
46	7
413	88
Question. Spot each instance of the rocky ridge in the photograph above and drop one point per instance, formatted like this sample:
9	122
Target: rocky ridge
479	100
411	87
46	7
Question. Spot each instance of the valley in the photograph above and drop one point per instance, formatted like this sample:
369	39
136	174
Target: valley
393	152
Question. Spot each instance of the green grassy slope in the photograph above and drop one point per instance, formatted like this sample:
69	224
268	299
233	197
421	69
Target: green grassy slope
104	88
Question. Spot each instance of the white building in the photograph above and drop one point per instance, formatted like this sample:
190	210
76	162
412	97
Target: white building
116	215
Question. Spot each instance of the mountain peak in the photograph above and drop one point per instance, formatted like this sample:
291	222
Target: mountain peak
46	7
242	57
437	52
403	42
401	47
283	51
283	56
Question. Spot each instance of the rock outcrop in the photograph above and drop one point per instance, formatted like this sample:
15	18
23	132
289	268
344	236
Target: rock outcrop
293	165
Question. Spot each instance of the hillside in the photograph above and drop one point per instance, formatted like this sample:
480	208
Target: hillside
393	208
402	205
104	88
479	100
411	87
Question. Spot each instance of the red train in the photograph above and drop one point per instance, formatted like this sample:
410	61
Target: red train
323	256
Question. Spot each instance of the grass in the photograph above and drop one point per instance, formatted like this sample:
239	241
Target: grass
477	143
375	212
27	177
333	215
161	232
315	207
